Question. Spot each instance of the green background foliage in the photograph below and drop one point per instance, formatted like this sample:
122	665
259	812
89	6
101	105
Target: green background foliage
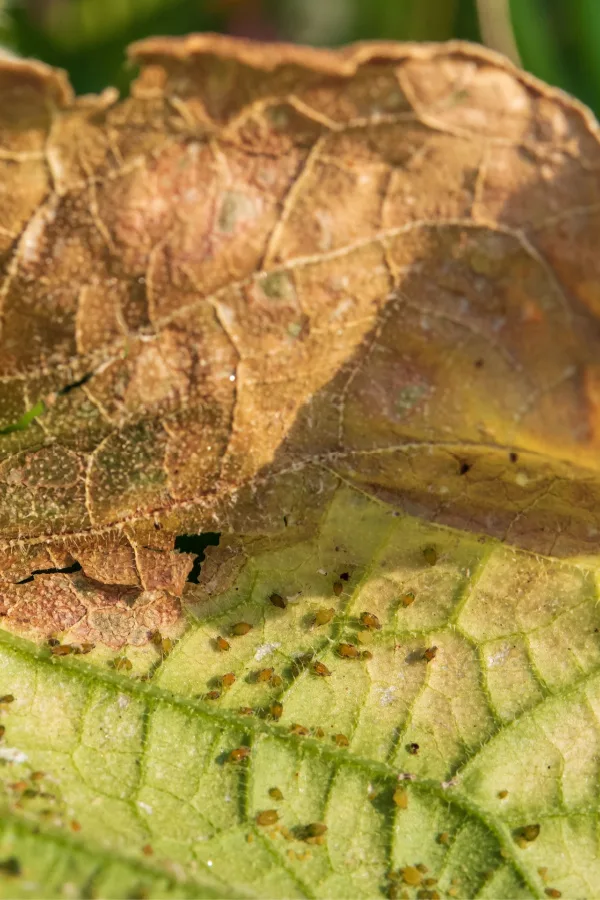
556	40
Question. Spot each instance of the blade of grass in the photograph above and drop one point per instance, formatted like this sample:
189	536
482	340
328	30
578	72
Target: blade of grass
432	20
537	44
496	27
586	23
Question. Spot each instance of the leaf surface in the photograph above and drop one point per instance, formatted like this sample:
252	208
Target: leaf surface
341	309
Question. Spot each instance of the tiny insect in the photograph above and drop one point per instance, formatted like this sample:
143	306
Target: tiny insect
7	698
411	875
267	817
156	638
75	825
430	555
276	710
121	663
370	621
366	654
348	651
53	642
275	793
407	599
319	733
443	837
241	628
430	654
324	616
166	645
222	644
413	749
278	601
314	830
552	892
300	730
212	695
320	669
530	833
401	798
276	680
10	866
228	679
341	740
147	850
87	647
338	587
246	711
345	576
239	754
37	776
63	650
264	675
502	795
364	637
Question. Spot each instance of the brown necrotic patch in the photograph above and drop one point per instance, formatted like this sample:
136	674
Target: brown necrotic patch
320	266
116	615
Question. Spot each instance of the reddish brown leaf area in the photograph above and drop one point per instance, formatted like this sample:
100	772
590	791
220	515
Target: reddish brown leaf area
271	268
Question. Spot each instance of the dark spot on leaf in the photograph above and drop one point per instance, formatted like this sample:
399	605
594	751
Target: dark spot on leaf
10	866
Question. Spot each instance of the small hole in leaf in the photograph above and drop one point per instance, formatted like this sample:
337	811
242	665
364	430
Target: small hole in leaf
514	457
196	543
464	468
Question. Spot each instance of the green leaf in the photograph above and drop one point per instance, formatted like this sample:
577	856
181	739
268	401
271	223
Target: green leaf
504	716
26	419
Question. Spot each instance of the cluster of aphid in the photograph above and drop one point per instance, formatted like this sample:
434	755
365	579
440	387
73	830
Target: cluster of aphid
524	837
417	876
58	649
305	661
30	794
368	622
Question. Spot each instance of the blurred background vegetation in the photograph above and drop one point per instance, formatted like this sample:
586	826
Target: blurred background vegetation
559	40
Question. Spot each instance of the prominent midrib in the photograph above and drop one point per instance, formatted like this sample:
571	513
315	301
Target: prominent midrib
152	695
65	842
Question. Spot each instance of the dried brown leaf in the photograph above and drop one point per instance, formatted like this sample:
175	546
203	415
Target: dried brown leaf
273	268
